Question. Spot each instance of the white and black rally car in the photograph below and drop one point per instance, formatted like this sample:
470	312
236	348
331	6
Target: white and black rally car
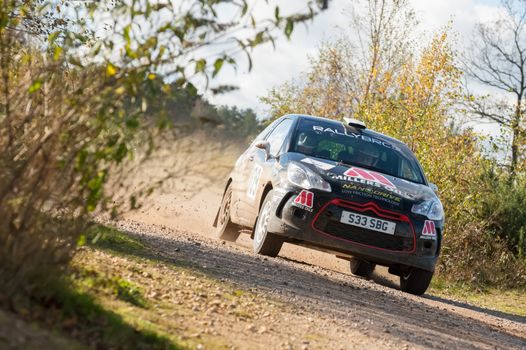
340	188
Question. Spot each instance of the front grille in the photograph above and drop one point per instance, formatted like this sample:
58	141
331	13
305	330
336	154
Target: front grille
328	222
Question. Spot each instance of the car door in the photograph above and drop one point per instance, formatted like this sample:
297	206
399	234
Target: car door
260	171
241	173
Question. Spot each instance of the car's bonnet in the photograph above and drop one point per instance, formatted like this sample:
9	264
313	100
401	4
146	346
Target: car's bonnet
341	174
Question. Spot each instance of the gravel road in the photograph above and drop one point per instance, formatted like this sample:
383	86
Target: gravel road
316	292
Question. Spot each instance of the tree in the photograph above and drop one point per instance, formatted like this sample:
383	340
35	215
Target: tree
77	83
497	60
357	68
414	101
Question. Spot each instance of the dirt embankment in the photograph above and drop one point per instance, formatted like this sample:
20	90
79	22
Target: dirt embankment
318	295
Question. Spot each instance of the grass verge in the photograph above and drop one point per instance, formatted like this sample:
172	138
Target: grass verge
506	301
75	306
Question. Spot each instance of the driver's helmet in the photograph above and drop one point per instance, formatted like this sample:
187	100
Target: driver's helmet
307	142
367	154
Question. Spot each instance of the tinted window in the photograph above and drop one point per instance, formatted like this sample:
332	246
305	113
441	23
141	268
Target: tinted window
278	135
335	142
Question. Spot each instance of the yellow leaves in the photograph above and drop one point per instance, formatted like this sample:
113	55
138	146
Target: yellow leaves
57	53
111	70
120	90
411	103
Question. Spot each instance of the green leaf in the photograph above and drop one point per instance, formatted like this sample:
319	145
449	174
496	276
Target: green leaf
75	61
52	37
244	9
127	34
37	84
218	64
258	39
276	13
289	28
95	183
192	90
121	152
81	241
132	123
200	65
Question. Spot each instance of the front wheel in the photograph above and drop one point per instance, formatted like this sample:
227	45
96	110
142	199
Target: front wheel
265	243
226	229
415	281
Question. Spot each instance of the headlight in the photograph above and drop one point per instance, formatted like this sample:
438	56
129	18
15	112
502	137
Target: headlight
306	178
432	209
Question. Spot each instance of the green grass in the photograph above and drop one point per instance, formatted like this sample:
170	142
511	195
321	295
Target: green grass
85	303
110	239
74	311
507	301
89	279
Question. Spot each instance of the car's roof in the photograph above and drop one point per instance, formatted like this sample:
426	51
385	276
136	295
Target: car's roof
368	132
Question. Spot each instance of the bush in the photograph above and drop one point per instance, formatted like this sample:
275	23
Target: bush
56	154
484	232
504	208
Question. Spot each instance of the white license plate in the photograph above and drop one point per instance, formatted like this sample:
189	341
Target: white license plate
368	222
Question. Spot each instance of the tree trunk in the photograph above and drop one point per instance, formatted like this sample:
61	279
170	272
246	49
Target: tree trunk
515	139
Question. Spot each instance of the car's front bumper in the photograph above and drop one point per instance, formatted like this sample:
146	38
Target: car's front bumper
320	228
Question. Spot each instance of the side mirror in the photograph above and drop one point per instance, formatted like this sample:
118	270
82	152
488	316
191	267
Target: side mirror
264	145
433	186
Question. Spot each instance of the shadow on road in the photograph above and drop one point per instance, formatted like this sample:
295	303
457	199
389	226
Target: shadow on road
514	318
376	310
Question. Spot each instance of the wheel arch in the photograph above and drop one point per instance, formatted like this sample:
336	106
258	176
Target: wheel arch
266	190
229	181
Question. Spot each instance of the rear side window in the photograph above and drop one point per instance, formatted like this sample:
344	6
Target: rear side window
262	135
278	135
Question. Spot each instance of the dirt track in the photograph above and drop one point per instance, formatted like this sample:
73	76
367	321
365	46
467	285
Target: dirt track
321	297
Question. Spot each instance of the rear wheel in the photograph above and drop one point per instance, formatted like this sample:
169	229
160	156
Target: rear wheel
265	243
226	229
415	281
361	267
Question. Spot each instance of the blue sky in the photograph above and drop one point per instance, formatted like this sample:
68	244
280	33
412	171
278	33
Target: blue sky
290	58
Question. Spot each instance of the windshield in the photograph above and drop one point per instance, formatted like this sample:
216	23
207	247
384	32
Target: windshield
333	141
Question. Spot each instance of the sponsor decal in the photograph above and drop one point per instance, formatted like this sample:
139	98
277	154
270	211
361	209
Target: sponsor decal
371	192
365	138
373	183
304	200
317	163
429	230
253	181
369	175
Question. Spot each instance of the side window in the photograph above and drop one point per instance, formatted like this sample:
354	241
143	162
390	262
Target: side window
407	172
278	135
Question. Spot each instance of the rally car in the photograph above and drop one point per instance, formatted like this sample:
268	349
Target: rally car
338	187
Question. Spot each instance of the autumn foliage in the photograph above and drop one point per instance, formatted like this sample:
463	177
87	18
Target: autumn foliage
415	102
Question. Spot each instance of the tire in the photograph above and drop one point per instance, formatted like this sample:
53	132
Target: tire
415	281
361	267
265	243
226	229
